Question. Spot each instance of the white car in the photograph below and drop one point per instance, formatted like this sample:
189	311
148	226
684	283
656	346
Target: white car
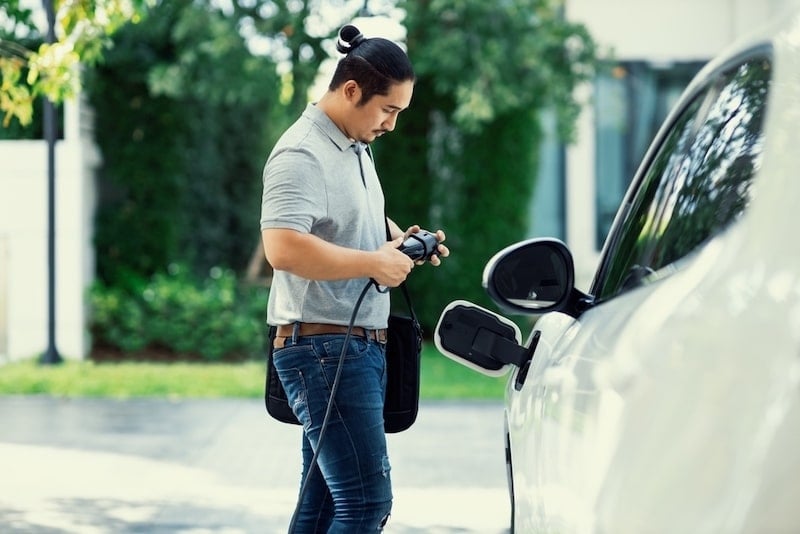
666	398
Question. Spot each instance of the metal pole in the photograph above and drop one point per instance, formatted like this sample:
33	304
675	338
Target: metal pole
51	355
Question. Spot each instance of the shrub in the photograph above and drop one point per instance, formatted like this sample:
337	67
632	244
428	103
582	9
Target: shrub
217	318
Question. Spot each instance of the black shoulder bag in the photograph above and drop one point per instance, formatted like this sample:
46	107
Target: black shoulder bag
403	348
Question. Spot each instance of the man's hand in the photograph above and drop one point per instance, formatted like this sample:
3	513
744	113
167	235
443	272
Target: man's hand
392	266
443	251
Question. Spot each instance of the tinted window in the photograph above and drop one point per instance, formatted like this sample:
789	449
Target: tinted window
698	181
632	99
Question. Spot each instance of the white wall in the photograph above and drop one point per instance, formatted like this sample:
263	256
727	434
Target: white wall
645	30
23	242
677	30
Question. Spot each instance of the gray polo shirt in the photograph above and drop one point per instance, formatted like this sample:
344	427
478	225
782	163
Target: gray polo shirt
313	184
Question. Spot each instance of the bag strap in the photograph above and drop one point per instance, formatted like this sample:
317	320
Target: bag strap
404	290
403	287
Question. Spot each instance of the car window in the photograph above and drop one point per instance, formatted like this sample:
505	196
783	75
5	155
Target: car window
697	183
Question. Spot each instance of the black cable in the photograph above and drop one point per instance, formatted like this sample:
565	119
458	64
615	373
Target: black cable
329	409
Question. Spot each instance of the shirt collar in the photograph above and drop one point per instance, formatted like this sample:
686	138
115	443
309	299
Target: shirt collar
324	123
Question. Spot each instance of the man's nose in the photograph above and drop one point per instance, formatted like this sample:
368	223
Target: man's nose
390	123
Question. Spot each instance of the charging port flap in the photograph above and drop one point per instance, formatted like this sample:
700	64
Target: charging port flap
479	339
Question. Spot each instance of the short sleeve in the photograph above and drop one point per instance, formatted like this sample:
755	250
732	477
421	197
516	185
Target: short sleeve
294	191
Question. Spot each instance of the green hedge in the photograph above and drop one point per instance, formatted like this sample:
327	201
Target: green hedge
464	156
474	186
217	318
185	115
182	116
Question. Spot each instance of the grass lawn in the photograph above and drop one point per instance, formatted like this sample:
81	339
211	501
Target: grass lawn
441	379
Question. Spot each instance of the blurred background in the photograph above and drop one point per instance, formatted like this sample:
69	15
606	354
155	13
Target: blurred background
529	118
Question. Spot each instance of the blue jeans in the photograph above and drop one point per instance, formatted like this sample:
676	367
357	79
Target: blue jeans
350	490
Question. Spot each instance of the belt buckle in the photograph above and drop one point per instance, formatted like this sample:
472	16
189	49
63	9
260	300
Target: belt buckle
380	336
370	334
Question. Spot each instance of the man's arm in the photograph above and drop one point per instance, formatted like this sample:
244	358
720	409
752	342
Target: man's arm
313	258
394	230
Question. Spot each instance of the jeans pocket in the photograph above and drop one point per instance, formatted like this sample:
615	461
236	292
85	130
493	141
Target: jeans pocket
357	347
294	385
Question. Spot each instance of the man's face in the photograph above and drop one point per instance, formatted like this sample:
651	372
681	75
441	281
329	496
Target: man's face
368	121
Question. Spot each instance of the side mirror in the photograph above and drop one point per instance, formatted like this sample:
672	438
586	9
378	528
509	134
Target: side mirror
533	277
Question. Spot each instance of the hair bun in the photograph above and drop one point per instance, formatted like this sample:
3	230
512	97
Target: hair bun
349	39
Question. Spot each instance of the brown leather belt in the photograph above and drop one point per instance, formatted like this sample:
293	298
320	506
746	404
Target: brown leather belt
315	329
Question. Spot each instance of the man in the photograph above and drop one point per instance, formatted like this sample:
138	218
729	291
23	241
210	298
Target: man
324	233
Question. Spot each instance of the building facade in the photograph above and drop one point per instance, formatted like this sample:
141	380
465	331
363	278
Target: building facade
652	51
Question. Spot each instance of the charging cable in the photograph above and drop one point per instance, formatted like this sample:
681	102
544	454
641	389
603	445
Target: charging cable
329	409
418	246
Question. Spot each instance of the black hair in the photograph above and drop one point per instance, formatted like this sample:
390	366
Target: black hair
374	64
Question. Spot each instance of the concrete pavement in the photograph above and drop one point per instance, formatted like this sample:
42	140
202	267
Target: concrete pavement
223	466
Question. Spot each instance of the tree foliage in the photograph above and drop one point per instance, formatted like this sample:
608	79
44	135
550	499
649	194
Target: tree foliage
187	112
182	105
495	58
300	35
464	156
81	31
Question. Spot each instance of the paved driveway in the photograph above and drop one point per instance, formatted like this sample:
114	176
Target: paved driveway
222	466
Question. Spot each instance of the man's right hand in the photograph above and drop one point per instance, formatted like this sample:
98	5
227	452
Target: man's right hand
391	266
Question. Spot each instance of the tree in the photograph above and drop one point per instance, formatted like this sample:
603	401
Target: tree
183	106
464	155
300	34
82	31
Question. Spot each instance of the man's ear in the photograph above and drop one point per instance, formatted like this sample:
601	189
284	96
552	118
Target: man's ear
351	91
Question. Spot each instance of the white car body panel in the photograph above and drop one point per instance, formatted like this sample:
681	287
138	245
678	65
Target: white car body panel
674	407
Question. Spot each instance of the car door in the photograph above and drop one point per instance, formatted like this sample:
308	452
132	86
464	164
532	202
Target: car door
564	416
